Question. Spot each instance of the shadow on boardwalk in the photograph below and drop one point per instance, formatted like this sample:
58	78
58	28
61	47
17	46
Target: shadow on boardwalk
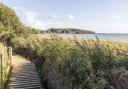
24	75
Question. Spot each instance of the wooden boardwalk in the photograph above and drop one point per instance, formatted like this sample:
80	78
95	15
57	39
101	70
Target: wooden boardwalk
24	75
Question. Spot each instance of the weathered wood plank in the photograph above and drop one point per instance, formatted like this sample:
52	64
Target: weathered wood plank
24	75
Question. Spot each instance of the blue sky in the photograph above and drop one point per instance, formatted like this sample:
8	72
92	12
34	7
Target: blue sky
109	16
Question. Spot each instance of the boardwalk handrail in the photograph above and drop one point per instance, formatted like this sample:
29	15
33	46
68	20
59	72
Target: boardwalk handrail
5	64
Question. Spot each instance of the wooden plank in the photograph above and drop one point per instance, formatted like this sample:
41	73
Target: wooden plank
24	75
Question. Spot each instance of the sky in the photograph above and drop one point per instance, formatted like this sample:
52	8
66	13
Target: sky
101	16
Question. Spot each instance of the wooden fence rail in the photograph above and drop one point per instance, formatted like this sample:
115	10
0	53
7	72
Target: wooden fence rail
5	65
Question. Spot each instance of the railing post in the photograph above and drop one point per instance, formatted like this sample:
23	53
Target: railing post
1	59
10	55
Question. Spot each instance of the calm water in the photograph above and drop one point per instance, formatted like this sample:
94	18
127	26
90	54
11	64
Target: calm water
101	36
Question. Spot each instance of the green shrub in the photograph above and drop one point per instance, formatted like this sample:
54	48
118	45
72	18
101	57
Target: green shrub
81	64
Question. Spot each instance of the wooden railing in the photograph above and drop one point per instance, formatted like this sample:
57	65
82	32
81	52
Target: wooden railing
5	65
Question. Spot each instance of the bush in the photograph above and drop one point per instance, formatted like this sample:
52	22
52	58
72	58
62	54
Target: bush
75	64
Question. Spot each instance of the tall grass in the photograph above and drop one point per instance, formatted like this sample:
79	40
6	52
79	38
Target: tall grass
74	64
5	65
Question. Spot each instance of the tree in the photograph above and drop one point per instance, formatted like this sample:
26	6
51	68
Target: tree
10	22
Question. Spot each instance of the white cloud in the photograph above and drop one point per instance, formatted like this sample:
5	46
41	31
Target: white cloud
61	16
31	18
54	16
71	16
18	8
46	15
36	19
116	16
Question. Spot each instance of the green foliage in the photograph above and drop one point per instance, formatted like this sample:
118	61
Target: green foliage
82	64
78	68
9	22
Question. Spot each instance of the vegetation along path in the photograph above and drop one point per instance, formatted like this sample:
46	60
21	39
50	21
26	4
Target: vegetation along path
24	75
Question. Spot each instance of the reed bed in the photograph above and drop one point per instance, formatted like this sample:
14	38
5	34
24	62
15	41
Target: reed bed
75	64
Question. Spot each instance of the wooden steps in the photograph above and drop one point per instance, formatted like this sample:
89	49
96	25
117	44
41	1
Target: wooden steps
24	75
